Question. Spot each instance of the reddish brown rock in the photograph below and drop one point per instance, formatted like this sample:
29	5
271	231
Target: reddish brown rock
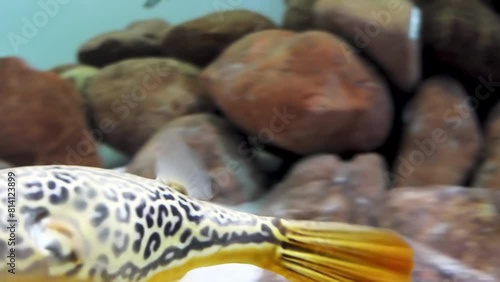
201	40
235	176
300	91
299	15
42	119
131	100
139	39
442	138
323	187
488	174
463	223
386	30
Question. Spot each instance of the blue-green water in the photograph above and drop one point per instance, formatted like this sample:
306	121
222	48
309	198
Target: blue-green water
69	23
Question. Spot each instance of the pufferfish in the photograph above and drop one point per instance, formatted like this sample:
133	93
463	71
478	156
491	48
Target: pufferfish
74	223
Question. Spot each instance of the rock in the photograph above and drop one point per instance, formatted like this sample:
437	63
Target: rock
387	30
299	15
4	164
442	138
463	36
300	92
463	223
371	27
324	188
201	40
234	173
139	39
79	75
43	122
131	100
433	266
488	174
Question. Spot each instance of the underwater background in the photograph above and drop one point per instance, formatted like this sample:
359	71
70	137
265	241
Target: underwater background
73	22
382	113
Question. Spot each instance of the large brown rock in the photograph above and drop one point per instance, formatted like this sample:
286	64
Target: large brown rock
235	176
325	188
201	40
42	119
139	39
488	174
300	91
442	138
387	30
132	99
463	223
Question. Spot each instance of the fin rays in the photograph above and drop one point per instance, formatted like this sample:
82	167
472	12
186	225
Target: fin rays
326	252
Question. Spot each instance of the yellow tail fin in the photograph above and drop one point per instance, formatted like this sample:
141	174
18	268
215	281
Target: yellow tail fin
327	252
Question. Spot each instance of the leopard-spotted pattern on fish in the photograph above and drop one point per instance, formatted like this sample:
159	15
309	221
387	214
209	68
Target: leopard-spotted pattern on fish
131	227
